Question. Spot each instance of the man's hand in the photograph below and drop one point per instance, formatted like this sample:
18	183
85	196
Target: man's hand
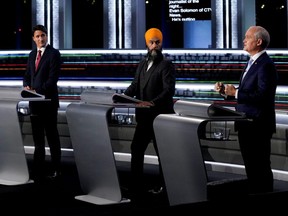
219	87
230	90
27	88
144	104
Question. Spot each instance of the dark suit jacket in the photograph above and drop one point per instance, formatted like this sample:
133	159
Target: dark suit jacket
156	85
45	79
256	92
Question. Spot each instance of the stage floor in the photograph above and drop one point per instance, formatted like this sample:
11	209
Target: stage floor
226	193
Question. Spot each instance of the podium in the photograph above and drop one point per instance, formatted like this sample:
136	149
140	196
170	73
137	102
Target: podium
13	163
178	141
94	156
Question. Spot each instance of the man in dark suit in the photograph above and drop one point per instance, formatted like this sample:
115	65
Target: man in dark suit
43	80
154	85
256	98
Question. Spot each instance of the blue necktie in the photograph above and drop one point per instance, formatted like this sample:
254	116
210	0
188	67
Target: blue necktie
250	62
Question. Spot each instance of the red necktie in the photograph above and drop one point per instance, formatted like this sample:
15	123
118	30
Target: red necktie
38	59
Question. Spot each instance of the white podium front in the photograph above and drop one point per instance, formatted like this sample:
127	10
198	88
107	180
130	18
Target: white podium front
13	163
94	157
179	148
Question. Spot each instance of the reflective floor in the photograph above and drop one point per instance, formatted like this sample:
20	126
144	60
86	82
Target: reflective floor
226	195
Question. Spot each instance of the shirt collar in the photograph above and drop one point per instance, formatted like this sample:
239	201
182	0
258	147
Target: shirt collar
256	56
42	48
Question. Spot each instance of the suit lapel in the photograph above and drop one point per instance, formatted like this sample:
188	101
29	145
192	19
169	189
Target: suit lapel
248	72
252	68
147	74
33	60
242	74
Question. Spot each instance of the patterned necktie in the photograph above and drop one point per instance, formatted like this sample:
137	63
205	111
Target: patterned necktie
38	59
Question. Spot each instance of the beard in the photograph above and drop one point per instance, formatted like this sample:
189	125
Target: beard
154	55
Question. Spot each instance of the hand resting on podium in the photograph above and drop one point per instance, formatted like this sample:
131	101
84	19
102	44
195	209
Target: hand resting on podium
25	93
124	99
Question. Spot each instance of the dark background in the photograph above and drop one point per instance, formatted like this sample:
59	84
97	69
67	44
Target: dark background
16	26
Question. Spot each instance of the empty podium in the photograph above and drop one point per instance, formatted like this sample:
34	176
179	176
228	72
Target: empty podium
13	163
178	141
94	156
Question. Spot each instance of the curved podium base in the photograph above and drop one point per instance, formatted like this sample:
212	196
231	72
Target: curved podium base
178	141
181	158
99	201
13	164
93	153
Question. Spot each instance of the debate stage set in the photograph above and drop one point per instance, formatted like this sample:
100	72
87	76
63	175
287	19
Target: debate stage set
198	147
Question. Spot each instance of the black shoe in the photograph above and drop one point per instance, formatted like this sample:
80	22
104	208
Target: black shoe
55	175
156	190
